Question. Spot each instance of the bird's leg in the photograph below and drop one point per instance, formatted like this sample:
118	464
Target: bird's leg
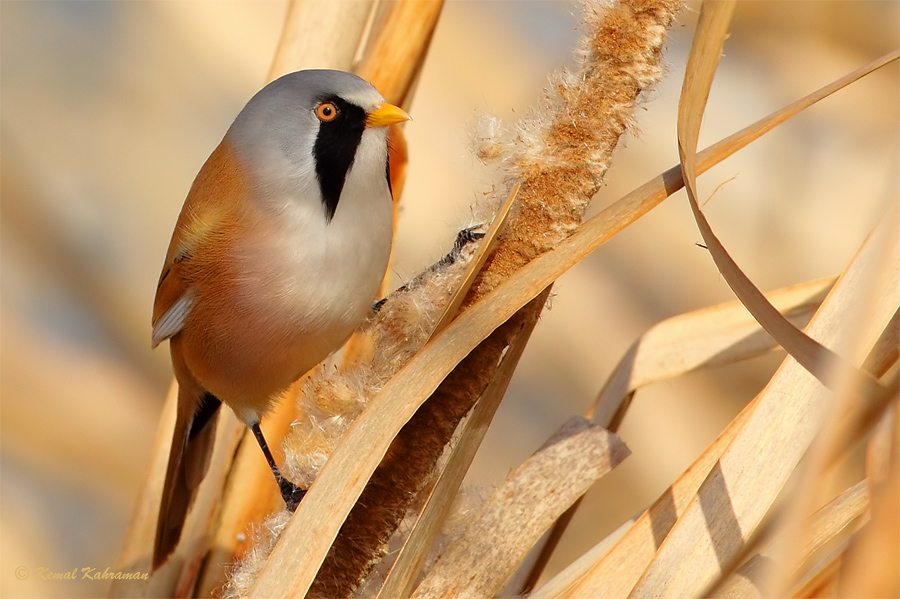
291	493
463	238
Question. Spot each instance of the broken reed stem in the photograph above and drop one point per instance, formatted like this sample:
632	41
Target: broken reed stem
560	155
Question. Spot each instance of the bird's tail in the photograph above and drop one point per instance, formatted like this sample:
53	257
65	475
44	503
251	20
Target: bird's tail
192	444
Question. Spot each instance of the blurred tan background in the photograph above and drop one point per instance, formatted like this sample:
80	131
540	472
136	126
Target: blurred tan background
110	108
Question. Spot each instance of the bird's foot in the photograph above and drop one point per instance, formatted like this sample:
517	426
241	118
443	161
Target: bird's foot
291	493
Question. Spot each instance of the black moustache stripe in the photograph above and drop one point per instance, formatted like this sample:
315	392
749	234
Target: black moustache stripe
335	149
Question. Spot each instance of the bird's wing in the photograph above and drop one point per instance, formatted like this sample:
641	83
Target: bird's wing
172	304
208	211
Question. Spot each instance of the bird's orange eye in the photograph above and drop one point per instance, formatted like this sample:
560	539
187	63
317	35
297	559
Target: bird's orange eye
326	111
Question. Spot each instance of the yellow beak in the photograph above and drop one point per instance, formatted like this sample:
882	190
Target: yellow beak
386	114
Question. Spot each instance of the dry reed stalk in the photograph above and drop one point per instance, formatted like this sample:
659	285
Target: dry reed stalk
706	338
615	572
732	500
560	158
393	58
842	513
609	409
311	530
532	310
411	557
316	35
478	562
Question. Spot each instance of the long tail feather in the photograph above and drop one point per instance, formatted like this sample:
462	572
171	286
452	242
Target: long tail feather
192	444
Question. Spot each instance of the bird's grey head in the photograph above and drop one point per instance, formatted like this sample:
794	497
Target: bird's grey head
303	130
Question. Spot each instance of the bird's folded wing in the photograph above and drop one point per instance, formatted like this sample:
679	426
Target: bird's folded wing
172	304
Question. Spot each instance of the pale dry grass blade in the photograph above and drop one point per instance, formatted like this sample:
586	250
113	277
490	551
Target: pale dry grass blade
310	39
709	39
832	520
735	496
393	58
704	338
487	244
579	569
341	481
512	520
617	571
400	579
870	567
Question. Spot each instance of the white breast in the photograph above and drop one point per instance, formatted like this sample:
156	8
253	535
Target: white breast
323	276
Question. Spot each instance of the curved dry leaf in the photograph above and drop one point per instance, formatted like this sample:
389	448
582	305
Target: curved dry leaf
734	498
617	571
709	337
579	569
709	38
403	573
517	514
870	566
343	477
825	525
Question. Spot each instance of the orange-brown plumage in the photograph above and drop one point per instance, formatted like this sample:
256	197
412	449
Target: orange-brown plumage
276	258
207	217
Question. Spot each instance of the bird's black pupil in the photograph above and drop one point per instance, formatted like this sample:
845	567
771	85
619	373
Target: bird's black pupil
335	148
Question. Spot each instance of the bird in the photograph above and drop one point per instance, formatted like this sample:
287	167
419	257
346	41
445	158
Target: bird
276	258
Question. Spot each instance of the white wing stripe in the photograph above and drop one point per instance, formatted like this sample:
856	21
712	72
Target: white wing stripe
173	320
